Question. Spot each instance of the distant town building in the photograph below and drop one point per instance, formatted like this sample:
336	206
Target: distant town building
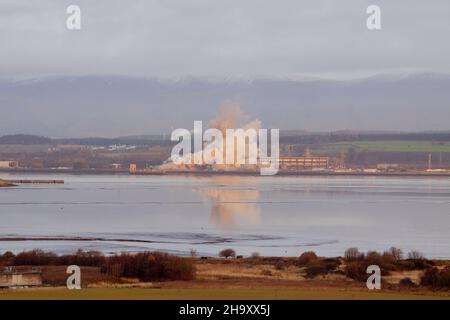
388	166
116	166
9	164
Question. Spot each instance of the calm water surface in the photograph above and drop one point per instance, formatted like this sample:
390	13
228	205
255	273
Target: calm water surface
269	215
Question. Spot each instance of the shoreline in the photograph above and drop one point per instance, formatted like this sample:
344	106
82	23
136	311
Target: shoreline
184	253
225	173
14	183
6	183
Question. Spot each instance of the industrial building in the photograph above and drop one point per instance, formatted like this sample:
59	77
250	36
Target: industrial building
9	277
305	162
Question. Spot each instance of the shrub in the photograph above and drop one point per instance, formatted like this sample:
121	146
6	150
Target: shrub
418	260
386	262
321	267
389	258
307	257
352	254
415	255
8	255
432	277
146	266
407	282
373	257
150	266
83	258
226	253
396	253
405	265
7	258
35	257
280	265
444	278
39	257
356	270
256	255
422	264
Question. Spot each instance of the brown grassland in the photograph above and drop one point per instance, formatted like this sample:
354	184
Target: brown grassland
248	278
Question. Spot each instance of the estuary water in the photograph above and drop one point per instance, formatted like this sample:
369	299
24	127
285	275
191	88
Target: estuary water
279	216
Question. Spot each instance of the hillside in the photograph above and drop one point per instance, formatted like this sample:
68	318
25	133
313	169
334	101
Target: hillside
111	106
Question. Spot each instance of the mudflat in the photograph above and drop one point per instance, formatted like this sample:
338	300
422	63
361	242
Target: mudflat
5	183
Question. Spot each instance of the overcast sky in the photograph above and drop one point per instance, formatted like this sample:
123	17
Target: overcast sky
170	38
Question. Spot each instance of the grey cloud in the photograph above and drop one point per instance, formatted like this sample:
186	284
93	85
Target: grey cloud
201	37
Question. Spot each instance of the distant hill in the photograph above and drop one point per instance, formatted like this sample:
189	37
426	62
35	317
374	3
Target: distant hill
112	106
286	136
24	139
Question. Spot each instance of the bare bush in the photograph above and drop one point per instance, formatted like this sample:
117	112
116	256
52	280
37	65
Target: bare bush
35	257
435	278
322	267
146	266
396	253
352	254
150	266
418	260
227	253
415	255
406	282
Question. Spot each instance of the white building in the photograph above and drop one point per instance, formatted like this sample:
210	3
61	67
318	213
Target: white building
9	164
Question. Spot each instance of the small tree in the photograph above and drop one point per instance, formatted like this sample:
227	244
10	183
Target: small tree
352	254
415	255
226	253
193	253
307	257
255	255
396	253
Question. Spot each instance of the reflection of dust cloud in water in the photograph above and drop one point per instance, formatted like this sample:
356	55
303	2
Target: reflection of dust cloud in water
233	202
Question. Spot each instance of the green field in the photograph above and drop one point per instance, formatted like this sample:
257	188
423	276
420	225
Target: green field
19	148
204	294
385	146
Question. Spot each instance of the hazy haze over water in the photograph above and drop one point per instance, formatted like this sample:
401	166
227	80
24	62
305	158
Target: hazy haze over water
269	215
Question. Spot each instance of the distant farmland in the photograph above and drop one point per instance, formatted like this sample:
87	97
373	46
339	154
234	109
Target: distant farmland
385	146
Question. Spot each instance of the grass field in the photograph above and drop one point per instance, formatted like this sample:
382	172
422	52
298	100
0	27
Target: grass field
18	148
205	294
386	146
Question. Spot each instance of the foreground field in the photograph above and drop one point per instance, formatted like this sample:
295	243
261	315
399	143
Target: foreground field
218	279
206	294
159	276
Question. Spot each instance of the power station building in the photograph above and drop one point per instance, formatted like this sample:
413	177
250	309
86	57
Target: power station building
305	162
